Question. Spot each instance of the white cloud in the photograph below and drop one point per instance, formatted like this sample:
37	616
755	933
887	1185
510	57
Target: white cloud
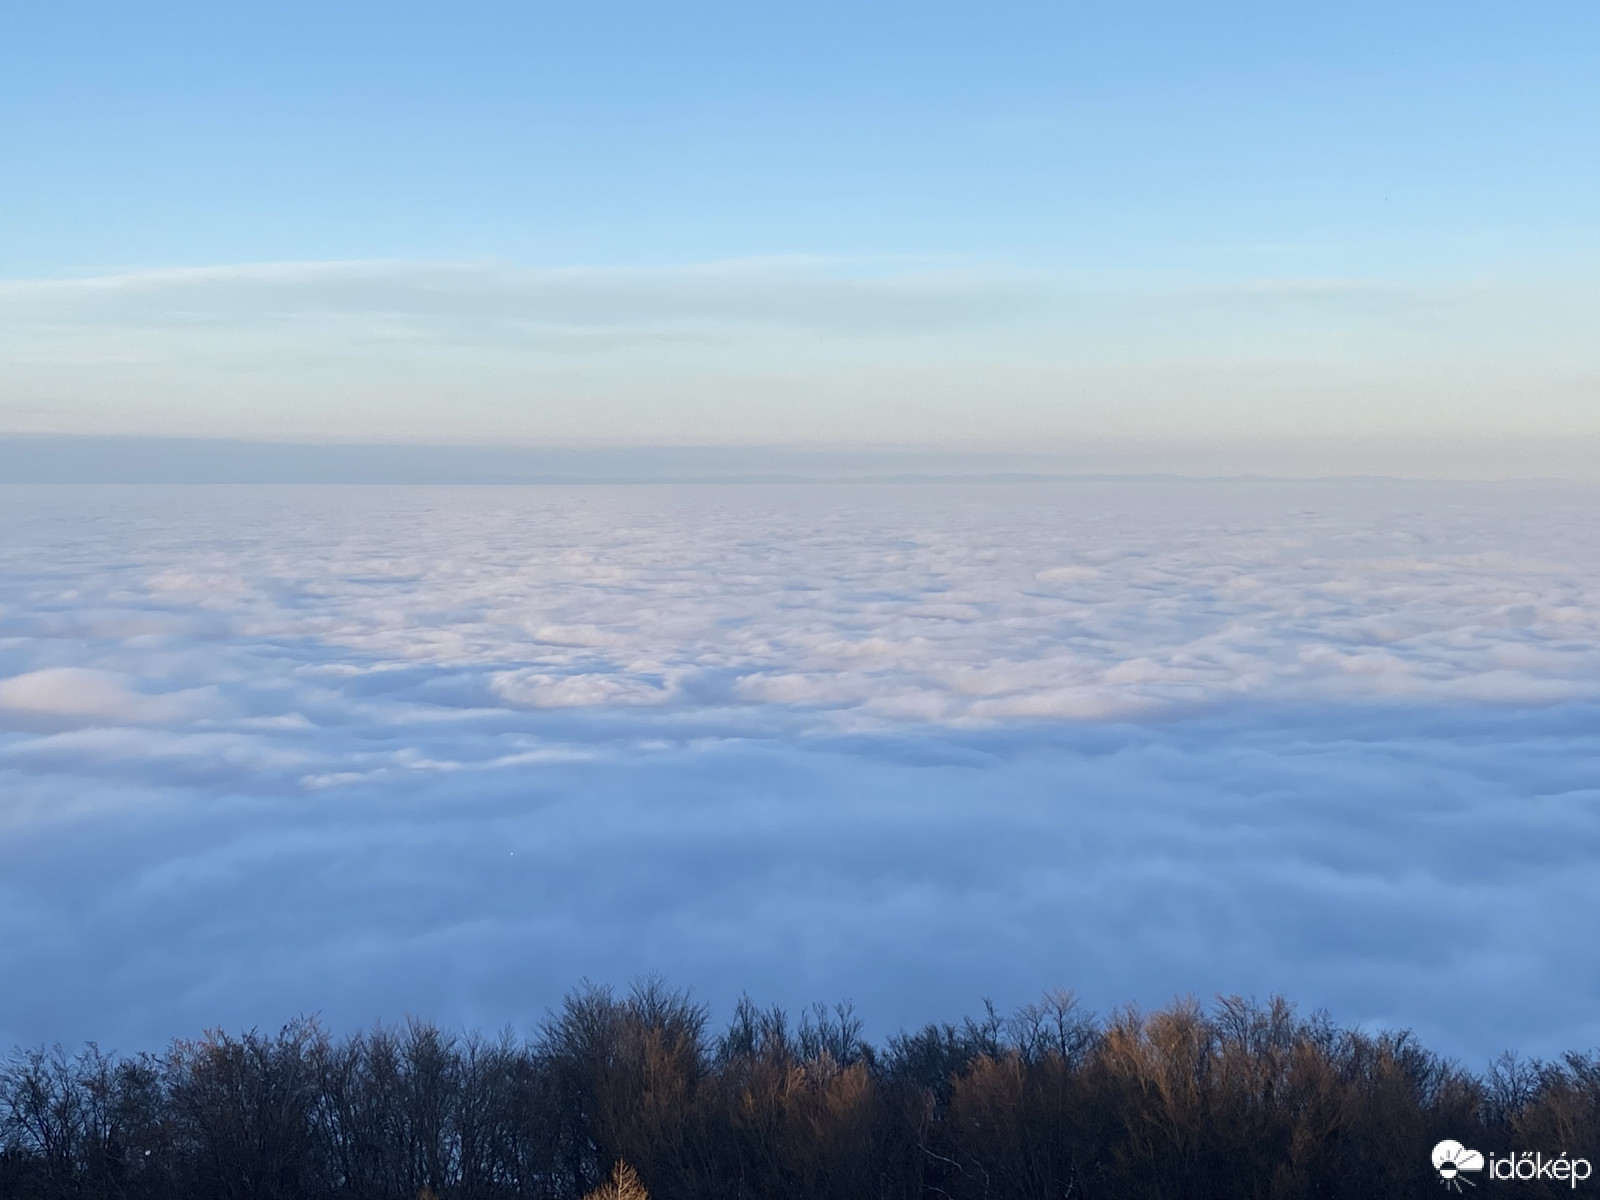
70	691
572	309
537	689
1075	574
378	750
93	694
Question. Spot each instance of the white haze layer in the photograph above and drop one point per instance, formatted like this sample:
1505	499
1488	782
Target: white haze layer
445	751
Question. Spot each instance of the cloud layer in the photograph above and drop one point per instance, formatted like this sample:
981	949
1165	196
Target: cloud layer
377	750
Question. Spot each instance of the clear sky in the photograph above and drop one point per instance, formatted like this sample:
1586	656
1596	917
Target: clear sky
1008	225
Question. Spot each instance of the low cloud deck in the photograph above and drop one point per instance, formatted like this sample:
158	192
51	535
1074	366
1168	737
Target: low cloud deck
370	751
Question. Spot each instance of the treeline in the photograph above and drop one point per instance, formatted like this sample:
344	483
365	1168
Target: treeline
1243	1100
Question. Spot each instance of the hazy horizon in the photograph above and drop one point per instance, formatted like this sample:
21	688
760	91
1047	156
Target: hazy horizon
93	459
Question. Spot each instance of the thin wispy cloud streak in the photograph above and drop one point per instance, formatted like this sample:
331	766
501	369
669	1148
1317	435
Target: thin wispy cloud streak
369	751
814	350
519	308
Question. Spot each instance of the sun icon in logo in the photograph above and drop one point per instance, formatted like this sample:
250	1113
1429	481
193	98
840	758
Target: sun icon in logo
1450	1159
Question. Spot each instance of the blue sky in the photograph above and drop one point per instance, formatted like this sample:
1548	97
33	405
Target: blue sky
1105	183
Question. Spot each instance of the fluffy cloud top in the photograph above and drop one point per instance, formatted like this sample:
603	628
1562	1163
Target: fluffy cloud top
374	750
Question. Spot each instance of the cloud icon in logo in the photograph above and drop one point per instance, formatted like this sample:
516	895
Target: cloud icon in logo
1450	1158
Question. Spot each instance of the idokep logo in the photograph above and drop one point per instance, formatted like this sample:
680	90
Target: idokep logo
1454	1162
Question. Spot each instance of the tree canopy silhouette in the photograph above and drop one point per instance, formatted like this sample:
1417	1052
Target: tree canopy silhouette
615	1094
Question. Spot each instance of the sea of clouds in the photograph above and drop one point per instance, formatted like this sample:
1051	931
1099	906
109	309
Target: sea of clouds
377	751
